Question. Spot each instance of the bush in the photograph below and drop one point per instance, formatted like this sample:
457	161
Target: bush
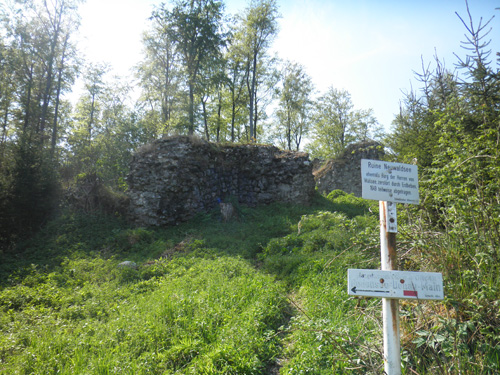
30	195
89	194
351	205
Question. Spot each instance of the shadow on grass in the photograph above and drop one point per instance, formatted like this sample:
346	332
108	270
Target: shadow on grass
76	235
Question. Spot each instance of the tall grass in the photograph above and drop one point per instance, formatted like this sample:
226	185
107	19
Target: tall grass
460	335
263	294
200	316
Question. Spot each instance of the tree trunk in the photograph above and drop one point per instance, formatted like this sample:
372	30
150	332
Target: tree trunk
91	120
251	92
219	119
256	116
27	115
166	108
4	135
57	99
205	119
46	94
233	119
191	108
233	107
56	114
49	82
289	130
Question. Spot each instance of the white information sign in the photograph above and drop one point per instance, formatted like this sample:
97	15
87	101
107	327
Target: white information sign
390	182
395	284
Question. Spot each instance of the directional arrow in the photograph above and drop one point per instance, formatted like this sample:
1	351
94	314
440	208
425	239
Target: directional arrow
354	290
395	284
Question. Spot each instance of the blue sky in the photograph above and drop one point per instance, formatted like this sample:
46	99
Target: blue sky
369	47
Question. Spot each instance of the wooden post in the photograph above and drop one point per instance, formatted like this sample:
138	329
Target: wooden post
390	307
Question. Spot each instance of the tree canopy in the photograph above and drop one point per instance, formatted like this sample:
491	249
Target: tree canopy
337	124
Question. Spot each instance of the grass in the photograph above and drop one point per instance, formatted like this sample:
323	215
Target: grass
170	316
263	294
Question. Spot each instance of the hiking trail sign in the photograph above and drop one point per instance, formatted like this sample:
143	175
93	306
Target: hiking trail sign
391	183
395	284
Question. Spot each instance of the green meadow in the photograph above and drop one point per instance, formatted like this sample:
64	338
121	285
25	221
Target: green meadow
263	294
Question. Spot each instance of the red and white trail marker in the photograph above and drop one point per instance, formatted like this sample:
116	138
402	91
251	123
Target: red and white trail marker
395	284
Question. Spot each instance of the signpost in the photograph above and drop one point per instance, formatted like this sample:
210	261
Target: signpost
392	183
395	284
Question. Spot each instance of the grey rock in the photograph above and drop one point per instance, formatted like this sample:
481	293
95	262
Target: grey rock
128	264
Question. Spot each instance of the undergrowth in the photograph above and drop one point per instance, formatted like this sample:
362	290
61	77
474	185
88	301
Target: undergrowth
263	294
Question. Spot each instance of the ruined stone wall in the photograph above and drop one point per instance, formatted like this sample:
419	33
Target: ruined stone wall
175	178
344	172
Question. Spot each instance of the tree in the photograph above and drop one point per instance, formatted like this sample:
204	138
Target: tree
160	79
265	93
452	126
38	35
65	77
120	135
106	131
36	67
258	29
87	120
365	126
8	87
481	80
452	129
211	90
294	106
414	135
236	81
58	19
195	29
95	87
337	124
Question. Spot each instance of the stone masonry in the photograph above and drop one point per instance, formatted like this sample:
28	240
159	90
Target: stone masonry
173	179
344	172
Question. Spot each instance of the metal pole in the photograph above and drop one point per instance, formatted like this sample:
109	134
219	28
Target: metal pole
390	307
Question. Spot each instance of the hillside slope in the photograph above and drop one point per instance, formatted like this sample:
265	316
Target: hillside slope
265	293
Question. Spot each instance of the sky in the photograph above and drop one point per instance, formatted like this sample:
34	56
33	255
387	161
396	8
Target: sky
371	48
